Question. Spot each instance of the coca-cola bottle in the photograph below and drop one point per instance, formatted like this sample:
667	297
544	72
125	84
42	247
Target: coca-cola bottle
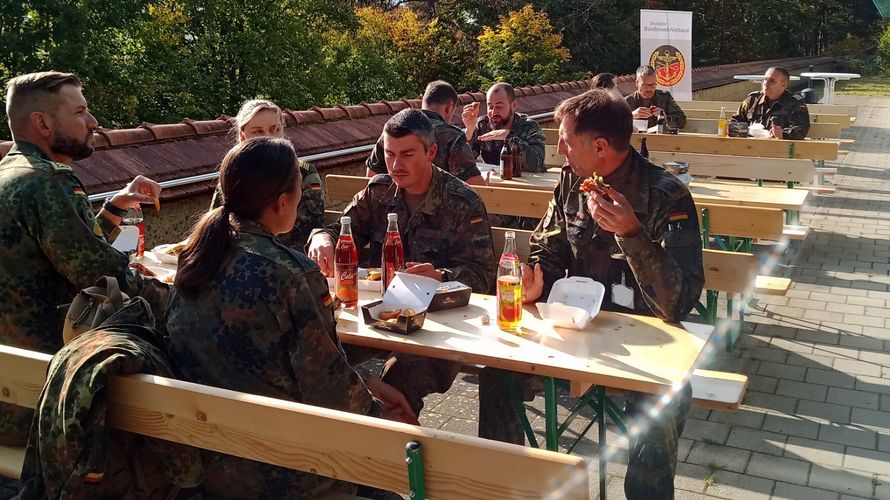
346	265
393	251
506	163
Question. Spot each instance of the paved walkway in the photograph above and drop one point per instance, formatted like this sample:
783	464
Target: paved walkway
816	419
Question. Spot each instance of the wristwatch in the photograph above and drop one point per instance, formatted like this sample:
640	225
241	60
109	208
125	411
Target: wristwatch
113	210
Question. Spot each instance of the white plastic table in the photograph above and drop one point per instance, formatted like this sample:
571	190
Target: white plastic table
830	80
757	78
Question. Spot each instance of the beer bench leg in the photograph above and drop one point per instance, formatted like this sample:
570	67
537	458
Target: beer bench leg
416	480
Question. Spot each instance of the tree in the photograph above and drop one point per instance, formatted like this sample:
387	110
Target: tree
524	49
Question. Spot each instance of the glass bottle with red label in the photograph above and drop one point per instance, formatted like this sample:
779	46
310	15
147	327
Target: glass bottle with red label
346	265
393	252
509	288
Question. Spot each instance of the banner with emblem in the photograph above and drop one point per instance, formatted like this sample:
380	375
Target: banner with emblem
666	45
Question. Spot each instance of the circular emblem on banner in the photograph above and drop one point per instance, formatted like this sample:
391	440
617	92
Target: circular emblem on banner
669	64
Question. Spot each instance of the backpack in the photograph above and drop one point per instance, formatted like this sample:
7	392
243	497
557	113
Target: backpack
92	306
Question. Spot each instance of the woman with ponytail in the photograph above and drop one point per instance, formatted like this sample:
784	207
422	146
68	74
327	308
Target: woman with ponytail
253	315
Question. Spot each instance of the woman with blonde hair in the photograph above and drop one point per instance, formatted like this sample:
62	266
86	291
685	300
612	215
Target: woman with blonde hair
263	118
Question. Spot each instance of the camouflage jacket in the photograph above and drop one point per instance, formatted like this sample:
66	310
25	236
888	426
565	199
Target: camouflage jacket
71	453
664	100
452	155
663	265
264	325
310	212
450	228
525	131
51	247
787	111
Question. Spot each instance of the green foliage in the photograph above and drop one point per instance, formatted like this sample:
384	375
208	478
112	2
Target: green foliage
884	50
524	49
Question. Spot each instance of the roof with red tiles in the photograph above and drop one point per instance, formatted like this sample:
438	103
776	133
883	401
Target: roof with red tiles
193	147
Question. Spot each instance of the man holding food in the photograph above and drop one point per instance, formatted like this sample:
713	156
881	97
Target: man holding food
51	245
444	228
620	220
502	123
648	103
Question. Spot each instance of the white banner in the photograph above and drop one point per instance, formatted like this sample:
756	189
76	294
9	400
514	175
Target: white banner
666	45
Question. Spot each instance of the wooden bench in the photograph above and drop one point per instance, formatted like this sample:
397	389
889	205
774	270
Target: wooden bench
331	443
739	146
842	120
709	126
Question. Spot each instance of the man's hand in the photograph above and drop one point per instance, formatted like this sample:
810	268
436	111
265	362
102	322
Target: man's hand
321	250
655	110
776	132
642	113
469	115
615	215
495	135
423	269
139	190
395	406
532	283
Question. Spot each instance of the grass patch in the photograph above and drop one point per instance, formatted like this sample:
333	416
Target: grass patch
876	86
713	469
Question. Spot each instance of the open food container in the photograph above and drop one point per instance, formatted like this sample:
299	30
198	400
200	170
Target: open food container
573	302
406	293
450	295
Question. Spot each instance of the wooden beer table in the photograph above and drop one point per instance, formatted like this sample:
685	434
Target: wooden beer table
615	350
717	192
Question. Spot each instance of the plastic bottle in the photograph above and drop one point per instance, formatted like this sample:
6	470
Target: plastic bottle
346	265
509	288
393	252
722	124
134	217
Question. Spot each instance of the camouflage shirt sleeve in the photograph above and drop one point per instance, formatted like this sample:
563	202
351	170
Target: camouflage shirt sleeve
798	121
376	161
673	111
473	264
669	269
310	213
744	110
73	242
319	363
461	159
549	246
531	147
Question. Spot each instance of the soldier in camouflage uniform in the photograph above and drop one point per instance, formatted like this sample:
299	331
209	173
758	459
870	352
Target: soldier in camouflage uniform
51	245
786	116
444	228
453	154
254	315
502	122
648	102
643	244
262	118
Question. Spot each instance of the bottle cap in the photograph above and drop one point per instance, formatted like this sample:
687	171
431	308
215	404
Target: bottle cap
510	234
345	220
391	217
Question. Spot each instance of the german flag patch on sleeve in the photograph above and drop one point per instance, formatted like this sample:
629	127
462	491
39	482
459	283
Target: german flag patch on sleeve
677	216
315	186
327	299
476	218
78	191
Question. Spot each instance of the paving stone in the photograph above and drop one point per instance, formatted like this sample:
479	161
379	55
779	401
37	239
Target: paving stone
781	370
841	480
704	430
848	434
456	405
865	301
830	378
785	491
862	342
855	319
772	402
739	418
852	398
731	485
690	477
810	450
779	468
824	412
823	361
802	390
762	384
846	308
871	418
755	440
867	460
857	367
872	384
724	457
461	426
765	354
791	425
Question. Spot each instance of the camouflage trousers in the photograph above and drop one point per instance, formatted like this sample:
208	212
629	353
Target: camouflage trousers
652	459
15	424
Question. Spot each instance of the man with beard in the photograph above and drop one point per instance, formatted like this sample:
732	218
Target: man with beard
648	102
503	123
51	245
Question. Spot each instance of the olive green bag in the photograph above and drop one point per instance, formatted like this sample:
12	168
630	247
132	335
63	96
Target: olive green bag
92	306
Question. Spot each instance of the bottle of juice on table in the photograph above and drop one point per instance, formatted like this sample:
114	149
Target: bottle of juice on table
393	252
722	124
509	288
